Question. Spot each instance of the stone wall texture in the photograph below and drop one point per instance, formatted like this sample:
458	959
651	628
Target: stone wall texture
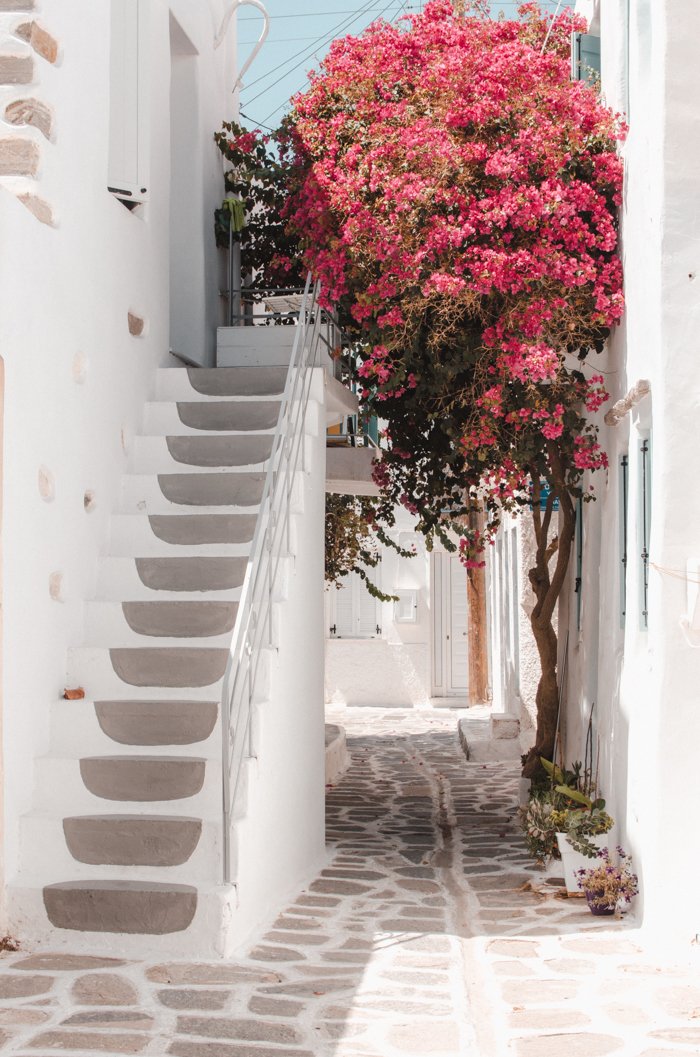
21	152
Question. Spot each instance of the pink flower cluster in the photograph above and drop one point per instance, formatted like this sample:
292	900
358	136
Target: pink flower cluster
449	165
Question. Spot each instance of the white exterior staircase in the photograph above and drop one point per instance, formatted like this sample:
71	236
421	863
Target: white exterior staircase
125	836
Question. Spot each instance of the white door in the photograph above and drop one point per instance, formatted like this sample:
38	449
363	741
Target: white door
450	625
458	666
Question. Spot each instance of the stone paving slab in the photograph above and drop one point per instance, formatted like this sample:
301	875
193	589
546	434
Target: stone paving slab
429	933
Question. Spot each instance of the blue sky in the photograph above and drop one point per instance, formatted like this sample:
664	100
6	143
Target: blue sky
300	33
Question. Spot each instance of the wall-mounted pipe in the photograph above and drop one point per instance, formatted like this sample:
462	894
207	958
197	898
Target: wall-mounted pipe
219	39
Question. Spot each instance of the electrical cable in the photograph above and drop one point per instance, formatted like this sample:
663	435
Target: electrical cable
308	51
315	14
281	105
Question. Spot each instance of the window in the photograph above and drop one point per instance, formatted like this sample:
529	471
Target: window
355	613
585	58
624	504
644	525
127	163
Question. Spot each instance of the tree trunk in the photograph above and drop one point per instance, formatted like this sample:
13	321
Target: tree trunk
547	588
478	643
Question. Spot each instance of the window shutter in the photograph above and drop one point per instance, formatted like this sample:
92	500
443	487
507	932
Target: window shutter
367	609
344	626
126	163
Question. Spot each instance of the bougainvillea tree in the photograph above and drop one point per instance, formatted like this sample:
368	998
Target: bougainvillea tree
456	193
257	187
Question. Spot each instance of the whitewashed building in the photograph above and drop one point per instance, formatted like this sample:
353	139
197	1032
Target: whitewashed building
631	611
133	492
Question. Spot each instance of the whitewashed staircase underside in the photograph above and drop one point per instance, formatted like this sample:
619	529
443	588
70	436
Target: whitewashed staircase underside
134	775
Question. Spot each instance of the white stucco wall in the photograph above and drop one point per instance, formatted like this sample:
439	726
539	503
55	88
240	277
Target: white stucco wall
648	722
76	379
280	841
394	670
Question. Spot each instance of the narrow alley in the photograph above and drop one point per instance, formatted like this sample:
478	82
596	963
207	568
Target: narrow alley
425	934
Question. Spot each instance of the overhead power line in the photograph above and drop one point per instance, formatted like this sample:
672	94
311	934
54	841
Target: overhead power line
308	51
280	106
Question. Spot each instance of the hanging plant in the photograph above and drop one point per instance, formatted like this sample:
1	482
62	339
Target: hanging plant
257	186
353	541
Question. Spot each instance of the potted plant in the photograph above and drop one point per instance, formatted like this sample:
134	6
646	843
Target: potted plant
538	822
608	884
581	821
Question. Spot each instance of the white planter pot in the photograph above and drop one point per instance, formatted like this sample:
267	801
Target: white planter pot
573	860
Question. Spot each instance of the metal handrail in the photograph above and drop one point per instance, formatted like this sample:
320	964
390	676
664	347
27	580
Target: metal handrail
254	630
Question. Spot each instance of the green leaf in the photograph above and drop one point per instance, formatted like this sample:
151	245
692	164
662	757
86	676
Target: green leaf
573	794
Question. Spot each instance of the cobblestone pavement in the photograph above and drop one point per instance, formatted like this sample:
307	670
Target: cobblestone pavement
428	933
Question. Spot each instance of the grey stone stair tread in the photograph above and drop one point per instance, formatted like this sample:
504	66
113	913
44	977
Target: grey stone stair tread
221	451
228	414
169	665
132	840
192	529
141	779
180	619
191	573
132	907
212	489
157	722
238	381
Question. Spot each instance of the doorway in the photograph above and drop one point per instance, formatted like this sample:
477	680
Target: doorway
450	626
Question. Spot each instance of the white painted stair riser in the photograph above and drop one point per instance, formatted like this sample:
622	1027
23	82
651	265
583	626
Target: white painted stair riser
39	833
106	626
76	732
162	419
76	799
153	455
118	579
208	937
132	535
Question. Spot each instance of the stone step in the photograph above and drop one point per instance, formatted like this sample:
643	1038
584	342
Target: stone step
158	672
77	798
121	906
192	383
174	846
132	840
169	665
142	779
157	722
171	578
209	936
250	451
197	417
137	623
207	493
100	726
181	534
